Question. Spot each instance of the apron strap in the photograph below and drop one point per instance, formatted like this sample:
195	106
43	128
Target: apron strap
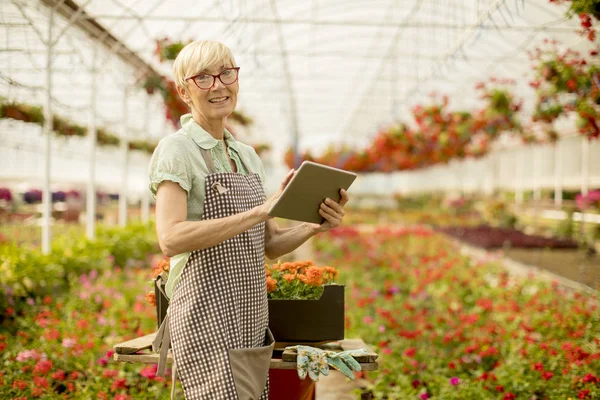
162	342
211	164
208	160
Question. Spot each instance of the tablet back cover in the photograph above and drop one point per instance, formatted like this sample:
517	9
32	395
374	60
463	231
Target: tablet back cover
313	183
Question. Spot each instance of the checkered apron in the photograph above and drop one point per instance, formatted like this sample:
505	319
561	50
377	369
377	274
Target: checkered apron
220	303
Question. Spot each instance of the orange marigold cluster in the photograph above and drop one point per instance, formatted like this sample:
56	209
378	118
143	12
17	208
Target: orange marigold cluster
271	284
159	267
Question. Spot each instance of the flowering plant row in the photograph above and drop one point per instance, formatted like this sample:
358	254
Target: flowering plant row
27	273
450	327
567	82
64	128
441	135
587	11
60	347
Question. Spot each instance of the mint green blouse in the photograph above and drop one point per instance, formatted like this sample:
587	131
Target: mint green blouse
177	158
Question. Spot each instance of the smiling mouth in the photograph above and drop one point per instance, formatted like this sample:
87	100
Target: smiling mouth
218	100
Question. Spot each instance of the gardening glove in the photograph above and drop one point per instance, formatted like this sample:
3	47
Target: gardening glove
310	360
344	361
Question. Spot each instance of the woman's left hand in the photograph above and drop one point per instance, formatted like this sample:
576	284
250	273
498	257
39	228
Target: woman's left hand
332	212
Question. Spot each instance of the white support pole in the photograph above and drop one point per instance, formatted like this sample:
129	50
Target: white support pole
537	172
146	192
93	134
519	178
558	178
47	130
585	165
125	163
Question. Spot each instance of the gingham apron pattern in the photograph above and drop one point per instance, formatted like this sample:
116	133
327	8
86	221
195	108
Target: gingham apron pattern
220	302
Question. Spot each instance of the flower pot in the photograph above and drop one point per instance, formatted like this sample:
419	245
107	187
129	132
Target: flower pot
309	320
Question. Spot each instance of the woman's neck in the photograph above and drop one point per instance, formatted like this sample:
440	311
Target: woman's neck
216	128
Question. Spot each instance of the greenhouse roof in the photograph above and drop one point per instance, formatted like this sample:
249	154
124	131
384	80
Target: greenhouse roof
338	70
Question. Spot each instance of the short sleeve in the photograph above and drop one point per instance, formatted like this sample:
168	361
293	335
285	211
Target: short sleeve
169	163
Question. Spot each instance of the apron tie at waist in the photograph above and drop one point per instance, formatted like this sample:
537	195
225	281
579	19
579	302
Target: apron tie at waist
162	342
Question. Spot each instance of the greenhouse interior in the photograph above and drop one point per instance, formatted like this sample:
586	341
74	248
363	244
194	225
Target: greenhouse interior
440	237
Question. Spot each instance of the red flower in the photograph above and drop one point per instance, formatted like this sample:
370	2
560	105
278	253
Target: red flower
509	396
584	394
40	382
37	392
110	373
59	375
410	352
500	388
590	378
19	384
52	334
74	375
42	367
547	375
571	84
416	383
119	383
538	367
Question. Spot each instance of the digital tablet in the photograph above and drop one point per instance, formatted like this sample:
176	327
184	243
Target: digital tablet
310	186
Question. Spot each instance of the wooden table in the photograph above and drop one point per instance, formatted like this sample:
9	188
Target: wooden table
139	351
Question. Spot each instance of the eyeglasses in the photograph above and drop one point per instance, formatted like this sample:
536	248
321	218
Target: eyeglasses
205	81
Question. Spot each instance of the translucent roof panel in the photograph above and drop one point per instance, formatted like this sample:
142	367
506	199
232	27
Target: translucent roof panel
354	65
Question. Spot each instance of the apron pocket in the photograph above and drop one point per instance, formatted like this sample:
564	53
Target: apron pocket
250	368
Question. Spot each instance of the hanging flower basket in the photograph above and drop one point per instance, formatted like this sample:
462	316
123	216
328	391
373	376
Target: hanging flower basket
107	139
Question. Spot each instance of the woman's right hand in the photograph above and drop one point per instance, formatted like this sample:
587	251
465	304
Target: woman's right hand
270	202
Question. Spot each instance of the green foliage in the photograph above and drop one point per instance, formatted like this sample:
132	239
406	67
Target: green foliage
451	327
26	272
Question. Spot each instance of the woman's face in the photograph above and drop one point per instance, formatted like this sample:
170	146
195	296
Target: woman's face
217	102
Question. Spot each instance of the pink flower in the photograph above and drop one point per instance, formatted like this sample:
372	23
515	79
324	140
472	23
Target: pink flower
368	319
381	328
424	396
149	371
454	381
30	355
103	361
67	343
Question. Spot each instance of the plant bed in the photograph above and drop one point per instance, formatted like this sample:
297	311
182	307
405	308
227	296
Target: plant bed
489	237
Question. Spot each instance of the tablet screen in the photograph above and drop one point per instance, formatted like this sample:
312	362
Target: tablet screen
310	186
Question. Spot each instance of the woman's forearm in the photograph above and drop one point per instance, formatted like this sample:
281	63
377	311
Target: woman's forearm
184	236
284	241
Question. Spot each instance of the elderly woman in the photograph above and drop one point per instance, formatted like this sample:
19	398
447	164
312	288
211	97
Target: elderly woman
212	220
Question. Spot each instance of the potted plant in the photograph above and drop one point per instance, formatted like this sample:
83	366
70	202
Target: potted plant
304	303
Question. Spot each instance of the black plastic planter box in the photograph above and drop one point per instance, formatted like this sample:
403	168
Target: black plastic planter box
309	320
290	320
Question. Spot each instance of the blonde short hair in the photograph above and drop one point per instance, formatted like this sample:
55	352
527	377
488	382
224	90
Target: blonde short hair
198	56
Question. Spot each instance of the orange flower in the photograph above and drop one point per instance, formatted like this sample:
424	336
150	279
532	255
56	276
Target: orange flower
271	284
314	276
289	277
163	265
151	298
332	271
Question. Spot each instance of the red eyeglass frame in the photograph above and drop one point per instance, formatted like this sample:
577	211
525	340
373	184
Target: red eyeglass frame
215	77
